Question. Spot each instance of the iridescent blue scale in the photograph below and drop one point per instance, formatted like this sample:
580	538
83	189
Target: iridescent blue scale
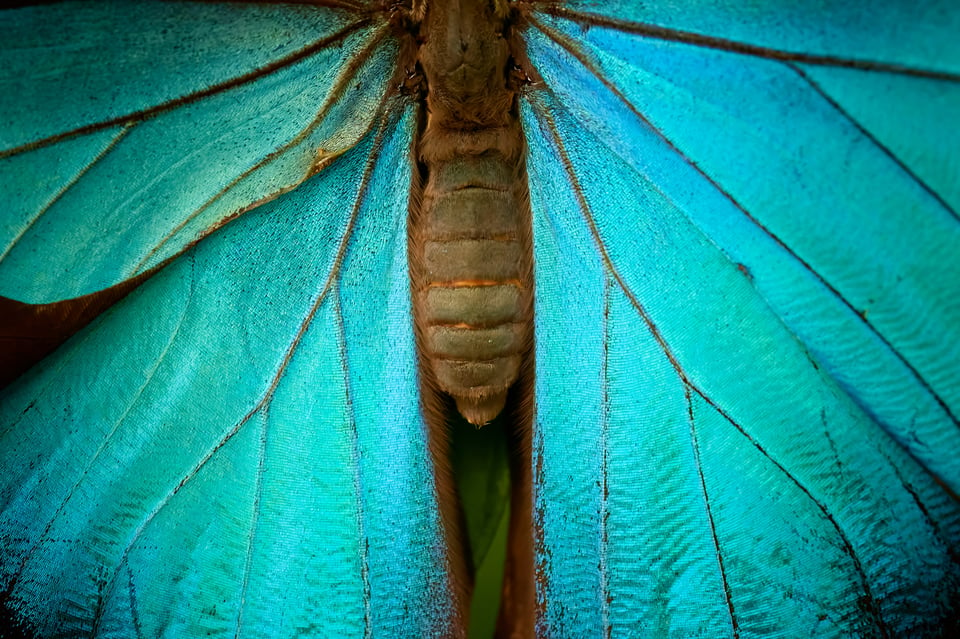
747	268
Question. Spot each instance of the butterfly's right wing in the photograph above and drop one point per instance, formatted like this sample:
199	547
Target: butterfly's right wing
746	321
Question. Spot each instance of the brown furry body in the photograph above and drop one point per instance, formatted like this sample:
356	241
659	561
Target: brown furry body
469	226
470	252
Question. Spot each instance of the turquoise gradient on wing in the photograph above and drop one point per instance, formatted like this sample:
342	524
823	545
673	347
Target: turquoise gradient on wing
131	196
840	259
232	466
899	33
757	384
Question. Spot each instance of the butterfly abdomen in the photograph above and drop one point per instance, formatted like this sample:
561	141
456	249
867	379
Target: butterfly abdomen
472	294
470	237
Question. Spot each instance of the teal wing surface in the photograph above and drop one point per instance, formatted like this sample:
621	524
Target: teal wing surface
747	269
747	254
228	451
131	130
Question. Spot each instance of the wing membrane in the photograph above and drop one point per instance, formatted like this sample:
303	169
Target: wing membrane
721	472
99	64
740	348
838	252
912	39
902	114
239	451
152	171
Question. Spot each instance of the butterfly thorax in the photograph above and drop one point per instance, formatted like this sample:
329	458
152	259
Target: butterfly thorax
469	224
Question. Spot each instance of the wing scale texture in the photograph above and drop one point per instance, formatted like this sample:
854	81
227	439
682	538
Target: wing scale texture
745	232
722	332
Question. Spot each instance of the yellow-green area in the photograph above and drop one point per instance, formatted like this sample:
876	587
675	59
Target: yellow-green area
481	466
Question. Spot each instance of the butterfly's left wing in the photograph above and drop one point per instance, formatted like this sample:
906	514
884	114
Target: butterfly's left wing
236	448
132	130
746	319
245	460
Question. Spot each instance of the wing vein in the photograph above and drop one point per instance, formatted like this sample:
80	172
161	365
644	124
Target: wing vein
281	369
346	75
103	445
357	457
150	112
349	5
734	46
695	443
587	215
134	615
580	56
871	602
66	187
604	469
255	519
952	551
865	133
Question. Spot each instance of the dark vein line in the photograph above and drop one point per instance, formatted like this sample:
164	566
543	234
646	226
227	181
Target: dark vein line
541	550
349	5
288	355
604	469
587	216
876	142
18	572
255	519
733	46
695	443
871	603
953	552
352	6
150	112
542	559
589	64
346	5
101	604
344	78
357	459
943	485
134	616
66	187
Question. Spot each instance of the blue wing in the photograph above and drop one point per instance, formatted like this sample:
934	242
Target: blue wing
765	438
746	320
139	128
241	467
227	451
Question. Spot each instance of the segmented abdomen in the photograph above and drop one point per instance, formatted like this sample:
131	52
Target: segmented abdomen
472	281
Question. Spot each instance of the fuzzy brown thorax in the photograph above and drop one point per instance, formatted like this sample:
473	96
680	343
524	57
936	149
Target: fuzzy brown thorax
469	220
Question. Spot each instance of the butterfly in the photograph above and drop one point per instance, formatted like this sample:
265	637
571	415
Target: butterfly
745	255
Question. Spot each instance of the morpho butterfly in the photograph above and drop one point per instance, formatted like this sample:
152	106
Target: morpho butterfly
733	358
